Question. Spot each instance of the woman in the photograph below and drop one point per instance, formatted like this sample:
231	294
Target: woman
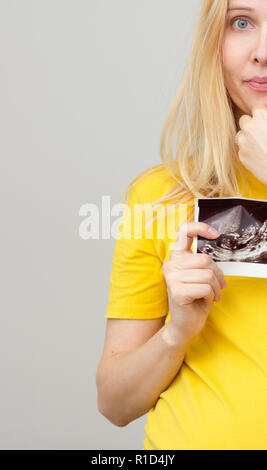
181	344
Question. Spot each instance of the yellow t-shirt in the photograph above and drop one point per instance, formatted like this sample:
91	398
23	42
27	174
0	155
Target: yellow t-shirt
218	399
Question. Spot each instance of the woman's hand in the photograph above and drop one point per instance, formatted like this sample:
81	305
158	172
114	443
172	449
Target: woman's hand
253	142
193	281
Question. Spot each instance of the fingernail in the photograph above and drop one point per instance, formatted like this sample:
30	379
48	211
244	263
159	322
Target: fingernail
224	283
213	231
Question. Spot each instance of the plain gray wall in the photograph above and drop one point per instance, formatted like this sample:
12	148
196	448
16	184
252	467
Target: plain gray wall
85	89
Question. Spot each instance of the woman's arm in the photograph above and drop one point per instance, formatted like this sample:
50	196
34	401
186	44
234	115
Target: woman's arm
139	361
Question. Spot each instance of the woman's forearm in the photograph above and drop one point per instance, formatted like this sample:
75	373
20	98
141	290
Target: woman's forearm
129	384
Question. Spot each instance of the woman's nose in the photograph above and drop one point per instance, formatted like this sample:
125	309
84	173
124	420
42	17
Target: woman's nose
260	46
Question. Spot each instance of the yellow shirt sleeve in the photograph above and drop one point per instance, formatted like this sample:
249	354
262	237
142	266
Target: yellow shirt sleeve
137	286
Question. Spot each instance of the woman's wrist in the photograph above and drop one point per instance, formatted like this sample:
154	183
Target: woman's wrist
173	337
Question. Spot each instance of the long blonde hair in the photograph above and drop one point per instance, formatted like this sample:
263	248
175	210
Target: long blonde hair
201	123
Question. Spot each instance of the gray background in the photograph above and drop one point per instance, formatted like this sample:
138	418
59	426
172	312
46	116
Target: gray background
85	88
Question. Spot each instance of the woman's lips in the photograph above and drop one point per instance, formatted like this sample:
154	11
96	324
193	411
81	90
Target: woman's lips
257	86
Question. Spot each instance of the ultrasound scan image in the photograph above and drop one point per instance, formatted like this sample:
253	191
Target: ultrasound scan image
242	224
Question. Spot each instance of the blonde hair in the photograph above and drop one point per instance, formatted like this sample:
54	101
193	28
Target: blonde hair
201	123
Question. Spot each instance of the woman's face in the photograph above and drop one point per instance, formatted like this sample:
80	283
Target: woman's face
244	52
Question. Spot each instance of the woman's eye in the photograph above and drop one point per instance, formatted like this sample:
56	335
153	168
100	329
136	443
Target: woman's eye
242	22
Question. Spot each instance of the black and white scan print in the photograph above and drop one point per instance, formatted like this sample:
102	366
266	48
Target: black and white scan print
241	248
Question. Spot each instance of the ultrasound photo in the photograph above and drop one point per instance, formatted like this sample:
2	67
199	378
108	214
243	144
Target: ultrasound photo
241	248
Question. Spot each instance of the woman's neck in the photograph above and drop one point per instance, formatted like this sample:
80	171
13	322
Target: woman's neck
237	113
